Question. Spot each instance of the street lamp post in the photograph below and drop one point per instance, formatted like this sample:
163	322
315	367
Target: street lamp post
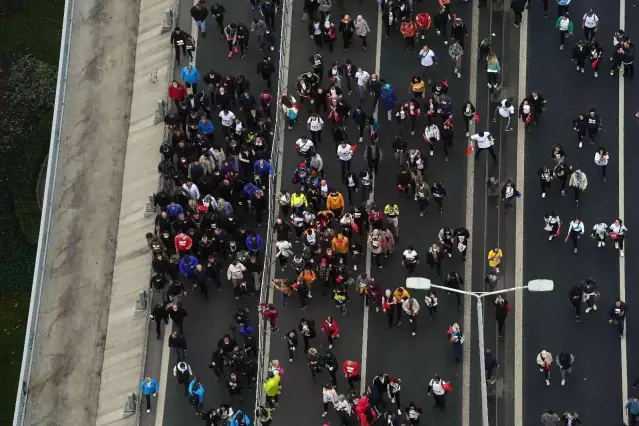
419	283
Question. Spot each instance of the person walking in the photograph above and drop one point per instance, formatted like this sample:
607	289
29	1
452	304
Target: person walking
428	60
566	29
579	183
492	70
618	234
178	315
575	295
617	315
191	76
438	388
544	361
329	396
632	410
149	387
362	30
601	160
177	344
158	315
576	229
182	372
178	40
565	360
490	365
590	25
502	307
411	308
196	395
550	418
351	372
199	12
484	141
505	109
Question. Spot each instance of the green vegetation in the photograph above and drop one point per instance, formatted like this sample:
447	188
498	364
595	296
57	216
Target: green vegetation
29	50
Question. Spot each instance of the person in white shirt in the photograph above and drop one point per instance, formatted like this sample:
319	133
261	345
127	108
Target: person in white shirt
305	147
192	189
484	140
345	154
315	125
601	160
436	386
575	231
618	233
362	79
228	120
553	223
590	24
431	303
432	136
410	260
599	232
505	109
428	59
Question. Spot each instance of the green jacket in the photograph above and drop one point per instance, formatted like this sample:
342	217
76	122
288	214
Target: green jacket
571	27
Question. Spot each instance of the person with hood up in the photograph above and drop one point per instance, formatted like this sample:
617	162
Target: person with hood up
579	183
187	266
411	308
196	394
544	361
565	360
149	387
191	76
456	51
389	99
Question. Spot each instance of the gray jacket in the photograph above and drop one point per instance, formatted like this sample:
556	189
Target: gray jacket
324	6
550	420
259	28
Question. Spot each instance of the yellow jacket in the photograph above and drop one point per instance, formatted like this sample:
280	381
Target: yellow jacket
298	200
417	87
494	258
272	386
334	202
398	296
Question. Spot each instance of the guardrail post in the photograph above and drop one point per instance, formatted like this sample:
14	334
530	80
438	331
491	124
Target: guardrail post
143	301
167	23
130	405
160	112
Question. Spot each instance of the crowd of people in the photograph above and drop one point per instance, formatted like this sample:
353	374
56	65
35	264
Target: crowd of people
215	171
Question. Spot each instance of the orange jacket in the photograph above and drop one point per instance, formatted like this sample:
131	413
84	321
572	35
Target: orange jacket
340	244
307	276
408	29
335	203
423	21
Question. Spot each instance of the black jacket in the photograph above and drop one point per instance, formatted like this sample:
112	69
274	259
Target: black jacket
177	342
199	14
265	67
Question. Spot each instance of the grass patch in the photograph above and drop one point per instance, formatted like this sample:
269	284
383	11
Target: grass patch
13	319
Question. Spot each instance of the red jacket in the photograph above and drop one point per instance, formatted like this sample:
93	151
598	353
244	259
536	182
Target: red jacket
183	244
364	412
423	21
350	368
331	329
177	93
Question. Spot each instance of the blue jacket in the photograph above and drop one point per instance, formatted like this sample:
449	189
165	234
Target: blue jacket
359	117
191	77
206	128
239	414
253	245
149	388
187	265
174	210
263	170
199	392
250	190
388	97
224	169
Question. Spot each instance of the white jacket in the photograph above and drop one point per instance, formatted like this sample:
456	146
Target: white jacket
431	133
601	160
284	248
406	308
545	359
329	395
345	153
344	406
235	272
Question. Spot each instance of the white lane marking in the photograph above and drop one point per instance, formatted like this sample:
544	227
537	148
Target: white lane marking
519	231
164	372
470	206
378	61
622	211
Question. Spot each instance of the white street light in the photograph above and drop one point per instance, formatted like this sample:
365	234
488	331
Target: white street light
539	285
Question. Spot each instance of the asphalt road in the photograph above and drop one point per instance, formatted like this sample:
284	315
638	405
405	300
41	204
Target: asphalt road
415	360
209	321
549	322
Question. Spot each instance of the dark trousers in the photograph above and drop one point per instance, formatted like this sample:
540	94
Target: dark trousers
440	401
489	149
148	401
629	70
269	80
518	18
158	326
177	52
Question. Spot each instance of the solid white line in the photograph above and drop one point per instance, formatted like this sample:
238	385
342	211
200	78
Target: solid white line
470	206
378	61
519	231
164	372
622	211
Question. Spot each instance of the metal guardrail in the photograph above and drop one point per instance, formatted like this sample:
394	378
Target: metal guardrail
45	220
273	205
